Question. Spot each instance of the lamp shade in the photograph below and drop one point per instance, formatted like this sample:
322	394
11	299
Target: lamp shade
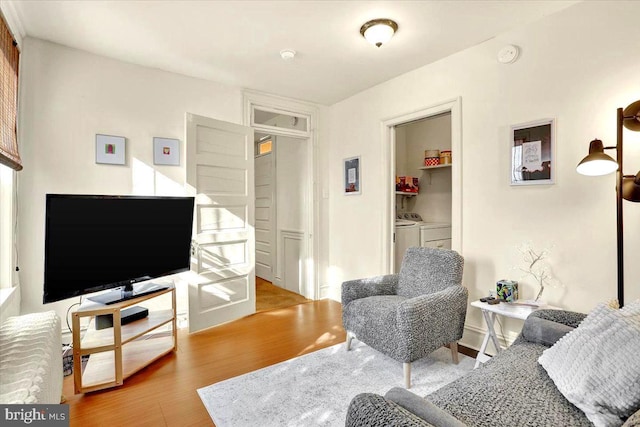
378	31
596	163
632	116
631	188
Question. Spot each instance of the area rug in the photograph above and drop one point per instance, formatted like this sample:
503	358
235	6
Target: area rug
315	389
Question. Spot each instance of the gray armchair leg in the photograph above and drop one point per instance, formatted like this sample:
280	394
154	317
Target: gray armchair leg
454	351
349	339
406	367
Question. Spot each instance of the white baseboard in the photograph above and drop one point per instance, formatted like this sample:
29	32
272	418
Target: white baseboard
330	292
472	338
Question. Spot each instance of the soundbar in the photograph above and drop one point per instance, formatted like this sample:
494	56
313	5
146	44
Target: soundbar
127	315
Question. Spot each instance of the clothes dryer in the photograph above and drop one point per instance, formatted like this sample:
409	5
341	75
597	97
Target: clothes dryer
432	234
435	235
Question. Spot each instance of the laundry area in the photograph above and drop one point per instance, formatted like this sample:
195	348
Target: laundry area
423	201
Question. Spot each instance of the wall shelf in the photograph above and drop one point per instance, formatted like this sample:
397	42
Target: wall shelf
429	169
405	193
448	165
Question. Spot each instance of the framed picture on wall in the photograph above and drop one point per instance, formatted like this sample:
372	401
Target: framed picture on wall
352	176
110	149
532	153
166	151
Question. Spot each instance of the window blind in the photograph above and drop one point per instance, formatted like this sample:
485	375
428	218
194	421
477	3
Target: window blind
9	155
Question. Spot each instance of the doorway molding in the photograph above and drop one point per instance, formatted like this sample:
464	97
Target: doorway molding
453	106
253	100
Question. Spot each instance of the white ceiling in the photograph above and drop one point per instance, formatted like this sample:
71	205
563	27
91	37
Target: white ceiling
238	42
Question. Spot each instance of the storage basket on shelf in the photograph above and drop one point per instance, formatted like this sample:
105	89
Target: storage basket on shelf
431	157
445	157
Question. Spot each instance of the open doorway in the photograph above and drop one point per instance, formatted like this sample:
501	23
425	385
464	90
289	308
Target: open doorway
281	219
423	184
291	127
434	128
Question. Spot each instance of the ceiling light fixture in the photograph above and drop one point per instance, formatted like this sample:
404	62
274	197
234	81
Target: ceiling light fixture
287	54
378	31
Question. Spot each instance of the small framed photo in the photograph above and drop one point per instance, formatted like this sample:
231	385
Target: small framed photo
166	151
110	149
352	176
532	153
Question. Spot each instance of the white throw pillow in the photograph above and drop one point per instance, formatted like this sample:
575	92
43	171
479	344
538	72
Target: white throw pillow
597	365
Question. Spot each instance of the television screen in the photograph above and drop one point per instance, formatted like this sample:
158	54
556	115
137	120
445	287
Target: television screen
94	242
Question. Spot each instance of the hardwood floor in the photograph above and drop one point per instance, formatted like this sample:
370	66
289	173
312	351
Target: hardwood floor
164	393
270	296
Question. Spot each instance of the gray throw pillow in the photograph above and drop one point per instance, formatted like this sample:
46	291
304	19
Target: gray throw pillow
596	366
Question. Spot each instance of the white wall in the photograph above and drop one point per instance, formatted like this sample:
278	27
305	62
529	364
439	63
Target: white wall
576	66
67	97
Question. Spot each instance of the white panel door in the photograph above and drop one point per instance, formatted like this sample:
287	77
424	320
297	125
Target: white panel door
220	172
265	217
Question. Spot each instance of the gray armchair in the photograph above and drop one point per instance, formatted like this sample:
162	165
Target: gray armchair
410	314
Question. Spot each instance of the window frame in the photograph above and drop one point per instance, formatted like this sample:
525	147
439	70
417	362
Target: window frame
7	226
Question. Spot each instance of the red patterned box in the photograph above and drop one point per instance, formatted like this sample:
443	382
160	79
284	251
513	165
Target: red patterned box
432	161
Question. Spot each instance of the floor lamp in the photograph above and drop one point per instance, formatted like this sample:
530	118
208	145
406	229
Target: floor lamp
627	186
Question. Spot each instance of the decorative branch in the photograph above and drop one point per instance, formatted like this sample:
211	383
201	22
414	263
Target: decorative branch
536	267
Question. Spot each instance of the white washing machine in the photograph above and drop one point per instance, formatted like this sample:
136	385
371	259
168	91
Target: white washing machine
407	236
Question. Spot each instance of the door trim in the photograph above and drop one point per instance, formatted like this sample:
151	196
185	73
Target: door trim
453	106
253	99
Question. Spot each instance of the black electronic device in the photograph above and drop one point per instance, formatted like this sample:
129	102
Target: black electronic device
95	242
127	315
113	297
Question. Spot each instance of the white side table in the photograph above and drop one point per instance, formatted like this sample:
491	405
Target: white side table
519	310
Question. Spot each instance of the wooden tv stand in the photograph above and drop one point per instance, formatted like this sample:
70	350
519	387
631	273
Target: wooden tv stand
118	352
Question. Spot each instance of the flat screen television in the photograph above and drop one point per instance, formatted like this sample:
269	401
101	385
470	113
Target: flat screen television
94	242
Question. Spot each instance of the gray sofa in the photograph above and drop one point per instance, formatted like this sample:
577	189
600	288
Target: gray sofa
512	389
